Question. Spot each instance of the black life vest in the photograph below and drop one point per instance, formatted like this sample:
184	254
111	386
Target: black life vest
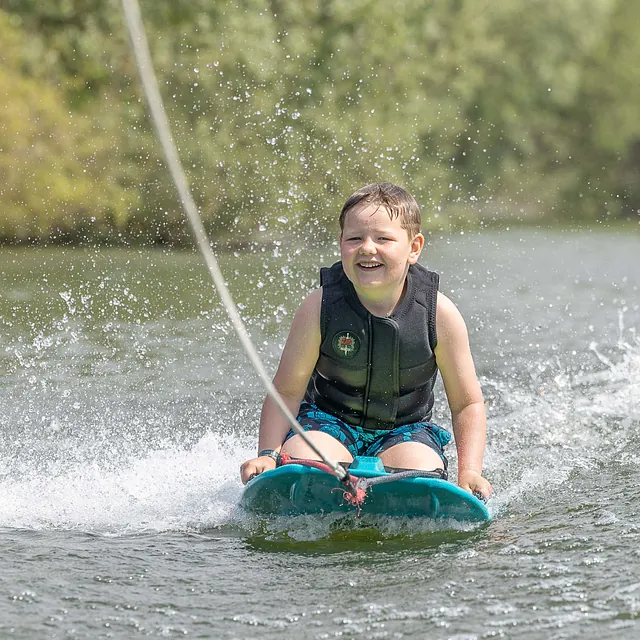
372	372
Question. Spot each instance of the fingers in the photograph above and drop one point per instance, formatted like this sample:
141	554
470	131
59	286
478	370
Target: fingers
483	489
486	490
474	483
248	471
251	468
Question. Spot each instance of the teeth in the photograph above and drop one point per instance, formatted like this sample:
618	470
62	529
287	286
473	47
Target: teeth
369	265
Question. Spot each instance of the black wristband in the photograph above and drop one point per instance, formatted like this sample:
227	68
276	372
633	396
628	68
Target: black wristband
270	453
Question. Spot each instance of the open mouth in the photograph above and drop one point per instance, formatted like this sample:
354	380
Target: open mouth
369	266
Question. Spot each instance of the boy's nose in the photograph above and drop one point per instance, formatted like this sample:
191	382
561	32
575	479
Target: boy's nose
368	246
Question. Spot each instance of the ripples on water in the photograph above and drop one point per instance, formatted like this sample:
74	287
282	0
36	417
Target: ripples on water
128	408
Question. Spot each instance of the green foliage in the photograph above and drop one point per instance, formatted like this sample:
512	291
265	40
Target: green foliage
51	183
280	110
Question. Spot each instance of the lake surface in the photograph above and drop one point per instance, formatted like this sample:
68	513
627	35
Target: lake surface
127	408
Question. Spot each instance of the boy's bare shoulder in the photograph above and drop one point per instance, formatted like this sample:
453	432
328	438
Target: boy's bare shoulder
313	301
444	306
448	318
309	309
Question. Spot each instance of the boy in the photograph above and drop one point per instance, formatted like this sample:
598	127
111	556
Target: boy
364	350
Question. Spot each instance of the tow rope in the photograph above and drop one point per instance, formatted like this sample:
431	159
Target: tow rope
142	56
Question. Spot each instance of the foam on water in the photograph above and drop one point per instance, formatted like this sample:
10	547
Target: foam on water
170	489
576	421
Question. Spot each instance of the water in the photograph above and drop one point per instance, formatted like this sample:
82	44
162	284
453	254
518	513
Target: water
127	408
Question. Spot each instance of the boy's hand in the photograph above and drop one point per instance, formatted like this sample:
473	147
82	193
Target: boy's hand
256	466
473	482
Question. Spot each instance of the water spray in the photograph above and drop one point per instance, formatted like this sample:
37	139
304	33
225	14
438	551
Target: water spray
160	121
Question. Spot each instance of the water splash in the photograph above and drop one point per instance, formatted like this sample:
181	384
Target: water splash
537	442
168	489
570	422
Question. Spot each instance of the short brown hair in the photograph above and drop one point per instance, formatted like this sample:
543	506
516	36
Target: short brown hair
398	202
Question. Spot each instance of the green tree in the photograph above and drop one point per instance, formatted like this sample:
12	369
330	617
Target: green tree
50	182
483	109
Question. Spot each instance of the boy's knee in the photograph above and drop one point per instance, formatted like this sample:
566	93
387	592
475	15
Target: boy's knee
411	455
297	447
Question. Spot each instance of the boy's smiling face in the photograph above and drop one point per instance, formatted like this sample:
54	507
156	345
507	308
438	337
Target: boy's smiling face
376	252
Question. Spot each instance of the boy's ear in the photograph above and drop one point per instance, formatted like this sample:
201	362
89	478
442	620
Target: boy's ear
417	244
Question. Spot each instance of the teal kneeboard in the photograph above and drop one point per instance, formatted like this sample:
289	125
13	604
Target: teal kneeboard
294	489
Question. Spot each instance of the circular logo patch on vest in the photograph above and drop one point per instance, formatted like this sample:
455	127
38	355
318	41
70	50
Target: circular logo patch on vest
346	344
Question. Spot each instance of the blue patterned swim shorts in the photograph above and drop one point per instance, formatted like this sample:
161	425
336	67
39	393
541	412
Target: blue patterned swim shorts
370	442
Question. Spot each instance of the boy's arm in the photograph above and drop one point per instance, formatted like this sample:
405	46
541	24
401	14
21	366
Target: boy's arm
297	362
453	356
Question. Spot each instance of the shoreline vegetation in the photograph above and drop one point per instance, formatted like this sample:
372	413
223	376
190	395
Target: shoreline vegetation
493	114
269	242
